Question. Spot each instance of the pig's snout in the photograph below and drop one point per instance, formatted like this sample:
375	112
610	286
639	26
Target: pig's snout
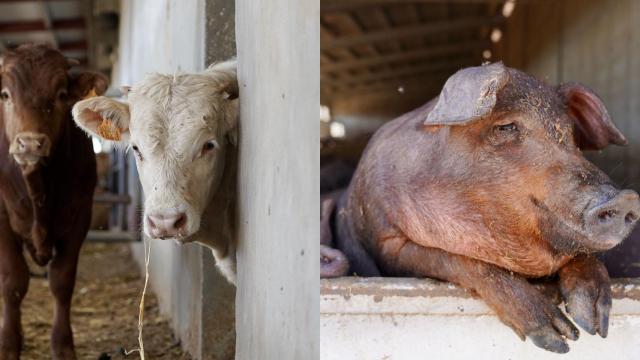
610	222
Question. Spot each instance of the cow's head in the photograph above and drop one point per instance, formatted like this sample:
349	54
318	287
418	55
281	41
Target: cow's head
37	93
180	127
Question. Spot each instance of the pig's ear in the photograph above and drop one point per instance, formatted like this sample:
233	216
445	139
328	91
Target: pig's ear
594	129
103	117
468	95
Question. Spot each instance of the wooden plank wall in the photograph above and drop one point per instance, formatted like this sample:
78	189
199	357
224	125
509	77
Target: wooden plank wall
595	42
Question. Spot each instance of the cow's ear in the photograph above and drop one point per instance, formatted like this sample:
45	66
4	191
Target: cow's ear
231	122
593	129
231	109
103	117
87	84
468	95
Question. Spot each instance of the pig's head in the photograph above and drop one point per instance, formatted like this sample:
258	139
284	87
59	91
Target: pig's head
36	97
519	142
180	128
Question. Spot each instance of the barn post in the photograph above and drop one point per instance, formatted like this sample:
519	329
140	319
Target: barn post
277	303
217	328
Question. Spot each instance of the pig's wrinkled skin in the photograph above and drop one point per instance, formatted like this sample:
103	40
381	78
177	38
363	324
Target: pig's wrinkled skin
486	186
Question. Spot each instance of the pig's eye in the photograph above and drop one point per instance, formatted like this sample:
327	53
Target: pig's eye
502	134
506	128
209	146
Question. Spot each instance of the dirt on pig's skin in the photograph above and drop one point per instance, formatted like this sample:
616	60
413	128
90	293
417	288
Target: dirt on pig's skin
104	312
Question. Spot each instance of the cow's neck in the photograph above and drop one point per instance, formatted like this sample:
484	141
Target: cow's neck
26	190
218	226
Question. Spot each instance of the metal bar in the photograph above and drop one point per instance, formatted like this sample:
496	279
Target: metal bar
109	198
110	236
47	19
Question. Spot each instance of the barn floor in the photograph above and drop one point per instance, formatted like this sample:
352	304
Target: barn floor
104	312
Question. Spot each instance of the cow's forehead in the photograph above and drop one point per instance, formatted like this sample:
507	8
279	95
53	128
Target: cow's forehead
179	95
174	110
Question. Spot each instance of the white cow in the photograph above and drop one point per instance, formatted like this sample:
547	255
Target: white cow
183	131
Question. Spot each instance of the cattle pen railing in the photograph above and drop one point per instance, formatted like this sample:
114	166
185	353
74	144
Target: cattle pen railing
399	318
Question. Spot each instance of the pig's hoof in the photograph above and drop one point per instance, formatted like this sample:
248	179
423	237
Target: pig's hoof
550	340
589	302
552	331
586	290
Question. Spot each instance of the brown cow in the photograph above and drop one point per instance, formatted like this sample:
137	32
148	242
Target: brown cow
47	180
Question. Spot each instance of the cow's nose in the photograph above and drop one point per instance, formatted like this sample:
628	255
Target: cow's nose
28	146
167	224
610	222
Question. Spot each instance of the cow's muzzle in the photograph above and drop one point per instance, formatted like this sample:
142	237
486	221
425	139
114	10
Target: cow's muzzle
167	224
28	148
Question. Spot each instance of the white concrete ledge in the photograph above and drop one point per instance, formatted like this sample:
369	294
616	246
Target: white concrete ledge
393	318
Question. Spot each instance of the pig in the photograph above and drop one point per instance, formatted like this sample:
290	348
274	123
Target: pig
486	186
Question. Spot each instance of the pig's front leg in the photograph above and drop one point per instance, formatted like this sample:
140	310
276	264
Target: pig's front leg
516	302
586	289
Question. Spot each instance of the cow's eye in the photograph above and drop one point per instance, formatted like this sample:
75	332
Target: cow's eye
4	95
62	95
209	146
137	152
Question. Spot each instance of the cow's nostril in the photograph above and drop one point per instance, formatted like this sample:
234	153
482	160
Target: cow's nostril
606	214
631	217
180	222
152	224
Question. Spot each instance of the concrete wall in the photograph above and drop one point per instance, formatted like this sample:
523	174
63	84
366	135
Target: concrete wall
167	36
406	319
278	45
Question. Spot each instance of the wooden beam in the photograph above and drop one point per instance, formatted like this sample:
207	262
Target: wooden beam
345	24
447	49
346	5
429	84
69	24
79	45
29	1
395	73
22	26
39	25
408	31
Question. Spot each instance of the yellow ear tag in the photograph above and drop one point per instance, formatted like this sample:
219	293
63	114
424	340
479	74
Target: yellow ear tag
90	94
109	131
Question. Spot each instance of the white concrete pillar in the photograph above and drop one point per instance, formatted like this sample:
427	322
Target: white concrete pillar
277	298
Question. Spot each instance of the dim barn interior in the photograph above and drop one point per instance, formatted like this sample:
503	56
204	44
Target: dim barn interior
383	59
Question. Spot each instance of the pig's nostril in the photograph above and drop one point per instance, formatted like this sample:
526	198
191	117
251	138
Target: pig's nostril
606	215
631	217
